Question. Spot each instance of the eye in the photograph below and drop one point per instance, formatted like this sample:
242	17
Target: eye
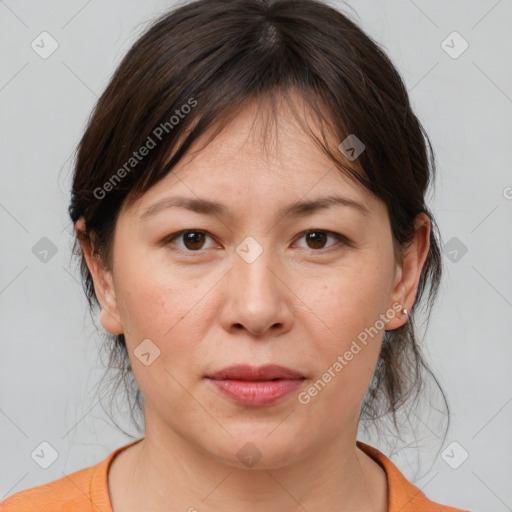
193	239
316	238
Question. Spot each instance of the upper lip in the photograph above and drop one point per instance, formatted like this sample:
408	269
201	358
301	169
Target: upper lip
247	372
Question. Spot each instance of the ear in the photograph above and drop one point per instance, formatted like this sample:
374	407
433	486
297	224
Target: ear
103	282
408	274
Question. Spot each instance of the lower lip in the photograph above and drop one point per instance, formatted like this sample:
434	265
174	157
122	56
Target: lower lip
256	393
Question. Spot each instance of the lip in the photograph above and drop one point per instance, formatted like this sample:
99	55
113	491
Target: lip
256	386
248	372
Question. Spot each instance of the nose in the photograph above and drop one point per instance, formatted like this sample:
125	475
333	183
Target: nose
257	298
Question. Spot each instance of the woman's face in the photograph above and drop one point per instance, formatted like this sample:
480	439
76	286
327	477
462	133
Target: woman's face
249	286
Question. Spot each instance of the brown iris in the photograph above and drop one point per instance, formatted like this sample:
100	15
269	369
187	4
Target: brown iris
318	238
193	240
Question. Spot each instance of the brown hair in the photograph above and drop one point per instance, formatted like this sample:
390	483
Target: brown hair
194	68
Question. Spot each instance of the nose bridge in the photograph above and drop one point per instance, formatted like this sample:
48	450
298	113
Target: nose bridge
257	298
254	264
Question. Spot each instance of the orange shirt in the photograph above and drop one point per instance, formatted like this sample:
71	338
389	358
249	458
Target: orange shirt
86	490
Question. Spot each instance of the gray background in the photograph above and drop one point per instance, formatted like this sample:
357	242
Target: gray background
50	360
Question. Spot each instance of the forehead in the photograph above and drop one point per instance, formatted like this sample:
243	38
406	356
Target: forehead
258	156
264	136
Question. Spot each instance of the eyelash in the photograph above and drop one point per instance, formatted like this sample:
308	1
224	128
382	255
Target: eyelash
338	236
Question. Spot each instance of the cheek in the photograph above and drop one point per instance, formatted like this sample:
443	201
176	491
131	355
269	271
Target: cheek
176	321
170	311
345	354
348	300
346	330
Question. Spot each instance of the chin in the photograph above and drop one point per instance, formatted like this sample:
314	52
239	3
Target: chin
257	448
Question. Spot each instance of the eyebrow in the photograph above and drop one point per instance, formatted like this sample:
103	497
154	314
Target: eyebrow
208	207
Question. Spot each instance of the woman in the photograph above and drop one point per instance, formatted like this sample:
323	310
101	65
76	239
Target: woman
249	205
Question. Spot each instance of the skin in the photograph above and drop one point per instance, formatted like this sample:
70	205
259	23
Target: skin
299	304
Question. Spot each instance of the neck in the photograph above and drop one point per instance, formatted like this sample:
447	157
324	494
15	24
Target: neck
166	472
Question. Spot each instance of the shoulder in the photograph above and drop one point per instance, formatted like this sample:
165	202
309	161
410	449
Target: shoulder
403	496
85	490
71	492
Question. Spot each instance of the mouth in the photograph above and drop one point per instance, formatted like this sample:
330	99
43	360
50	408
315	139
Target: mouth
256	386
246	372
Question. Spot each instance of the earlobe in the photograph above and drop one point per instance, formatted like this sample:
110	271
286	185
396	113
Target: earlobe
103	283
109	314
110	323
